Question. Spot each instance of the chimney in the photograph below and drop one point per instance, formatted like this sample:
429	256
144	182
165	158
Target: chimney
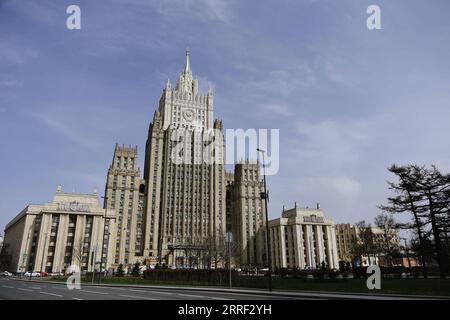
295	205
284	208
318	205
59	188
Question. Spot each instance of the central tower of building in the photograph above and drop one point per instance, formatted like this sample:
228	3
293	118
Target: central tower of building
184	173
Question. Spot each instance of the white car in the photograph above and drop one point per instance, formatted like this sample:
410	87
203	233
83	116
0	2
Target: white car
32	274
5	274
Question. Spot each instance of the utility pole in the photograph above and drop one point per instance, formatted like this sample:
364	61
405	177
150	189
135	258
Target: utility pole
266	196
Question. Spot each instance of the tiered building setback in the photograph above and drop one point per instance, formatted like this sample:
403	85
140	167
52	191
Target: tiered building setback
185	187
125	194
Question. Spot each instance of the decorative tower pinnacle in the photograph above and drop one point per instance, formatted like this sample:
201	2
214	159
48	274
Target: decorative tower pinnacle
187	66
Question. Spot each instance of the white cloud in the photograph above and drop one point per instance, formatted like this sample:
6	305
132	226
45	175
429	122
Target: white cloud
337	194
331	144
12	52
276	109
68	129
10	83
200	9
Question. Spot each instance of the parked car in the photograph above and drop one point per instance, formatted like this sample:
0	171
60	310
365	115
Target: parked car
32	274
56	274
5	274
44	274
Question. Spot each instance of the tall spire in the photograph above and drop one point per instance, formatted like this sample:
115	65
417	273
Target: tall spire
187	66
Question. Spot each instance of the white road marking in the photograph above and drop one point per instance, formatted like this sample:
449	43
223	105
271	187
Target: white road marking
8	287
159	292
25	289
93	291
190	295
51	294
136	297
149	291
77	299
37	288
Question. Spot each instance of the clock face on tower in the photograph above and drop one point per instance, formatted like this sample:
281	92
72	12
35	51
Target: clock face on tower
188	115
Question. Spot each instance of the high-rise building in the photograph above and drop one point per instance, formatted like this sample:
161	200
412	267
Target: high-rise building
246	214
303	238
125	194
184	175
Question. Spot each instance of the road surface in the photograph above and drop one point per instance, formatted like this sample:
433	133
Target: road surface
16	289
13	289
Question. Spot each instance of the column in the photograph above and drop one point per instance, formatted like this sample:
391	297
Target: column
307	237
78	241
42	248
330	259
61	240
297	246
282	246
97	239
319	245
111	242
334	248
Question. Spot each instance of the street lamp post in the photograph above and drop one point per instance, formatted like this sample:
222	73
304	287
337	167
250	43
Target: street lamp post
269	258
103	240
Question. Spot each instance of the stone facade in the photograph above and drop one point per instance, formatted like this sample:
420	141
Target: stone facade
185	196
348	234
246	214
303	238
53	236
125	194
346	237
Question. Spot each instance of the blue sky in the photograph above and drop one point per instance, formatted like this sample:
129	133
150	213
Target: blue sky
348	101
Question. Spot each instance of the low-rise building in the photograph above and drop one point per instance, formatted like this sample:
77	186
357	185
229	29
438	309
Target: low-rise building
303	238
348	235
67	231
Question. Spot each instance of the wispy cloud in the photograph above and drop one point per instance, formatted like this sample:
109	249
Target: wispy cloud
331	144
68	129
15	52
197	9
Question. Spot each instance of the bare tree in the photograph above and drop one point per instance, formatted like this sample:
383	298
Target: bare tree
387	242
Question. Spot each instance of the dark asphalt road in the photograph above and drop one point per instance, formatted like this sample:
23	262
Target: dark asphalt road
12	289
